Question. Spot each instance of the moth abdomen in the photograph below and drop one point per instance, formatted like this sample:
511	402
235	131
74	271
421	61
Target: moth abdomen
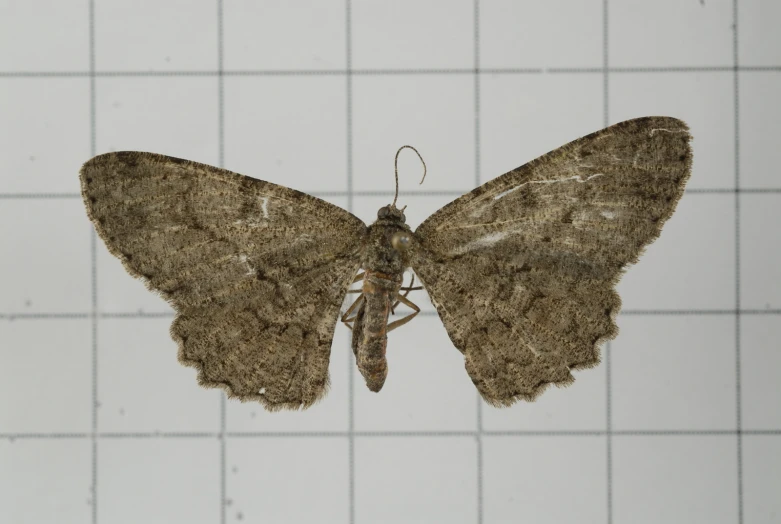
370	332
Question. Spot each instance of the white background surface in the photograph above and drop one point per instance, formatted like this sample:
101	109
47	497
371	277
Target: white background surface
100	424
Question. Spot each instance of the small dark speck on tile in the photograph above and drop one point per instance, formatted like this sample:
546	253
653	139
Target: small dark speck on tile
98	404
228	502
252	413
279	161
28	302
239	516
168	59
121	411
235	469
32	159
116	104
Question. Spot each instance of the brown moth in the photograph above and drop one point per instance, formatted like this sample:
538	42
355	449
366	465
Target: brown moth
521	270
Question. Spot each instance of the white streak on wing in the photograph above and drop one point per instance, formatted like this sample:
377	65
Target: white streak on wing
608	214
244	260
265	206
577	178
651	133
485	241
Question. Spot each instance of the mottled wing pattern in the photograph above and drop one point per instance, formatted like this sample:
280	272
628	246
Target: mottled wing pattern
256	272
522	269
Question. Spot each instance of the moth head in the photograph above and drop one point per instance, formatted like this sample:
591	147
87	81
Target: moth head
392	212
401	240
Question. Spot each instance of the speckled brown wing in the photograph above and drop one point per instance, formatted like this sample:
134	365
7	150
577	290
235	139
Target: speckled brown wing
256	272
522	269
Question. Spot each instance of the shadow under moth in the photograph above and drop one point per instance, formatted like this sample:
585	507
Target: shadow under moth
521	270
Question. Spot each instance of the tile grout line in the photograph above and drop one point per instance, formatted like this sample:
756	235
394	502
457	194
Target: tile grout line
390	434
406	193
479	414
738	396
387	72
94	273
131	315
350	371
608	382
221	163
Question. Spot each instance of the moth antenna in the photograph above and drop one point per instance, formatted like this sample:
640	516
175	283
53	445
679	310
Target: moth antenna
396	169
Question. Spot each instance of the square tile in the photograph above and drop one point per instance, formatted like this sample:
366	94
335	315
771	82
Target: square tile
674	373
433	113
143	387
760	129
581	406
416	479
288	480
176	35
45	134
277	35
692	264
329	414
557	33
700	100
409	34
172	479
46	35
46	376
45	480
690	479
669	33
174	116
427	388
525	116
760	372
760	251
50	270
289	130
544	479
761	478
759	42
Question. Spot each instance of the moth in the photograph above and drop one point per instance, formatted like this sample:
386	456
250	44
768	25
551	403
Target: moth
521	270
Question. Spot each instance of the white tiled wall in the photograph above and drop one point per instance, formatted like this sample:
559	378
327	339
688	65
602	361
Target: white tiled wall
100	423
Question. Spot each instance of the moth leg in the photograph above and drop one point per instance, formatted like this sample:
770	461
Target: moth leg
346	317
400	322
357	278
407	289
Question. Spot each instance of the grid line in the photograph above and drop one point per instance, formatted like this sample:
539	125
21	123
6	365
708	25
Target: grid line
607	347
390	72
384	434
422	193
93	274
738	400
479	414
221	163
170	314
350	371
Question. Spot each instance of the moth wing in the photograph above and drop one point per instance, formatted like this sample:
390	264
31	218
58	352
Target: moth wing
522	269
255	271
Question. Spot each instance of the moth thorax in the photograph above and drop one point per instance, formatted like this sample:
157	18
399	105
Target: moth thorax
401	240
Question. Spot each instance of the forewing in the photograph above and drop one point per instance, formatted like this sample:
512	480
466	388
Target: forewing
522	269
256	272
